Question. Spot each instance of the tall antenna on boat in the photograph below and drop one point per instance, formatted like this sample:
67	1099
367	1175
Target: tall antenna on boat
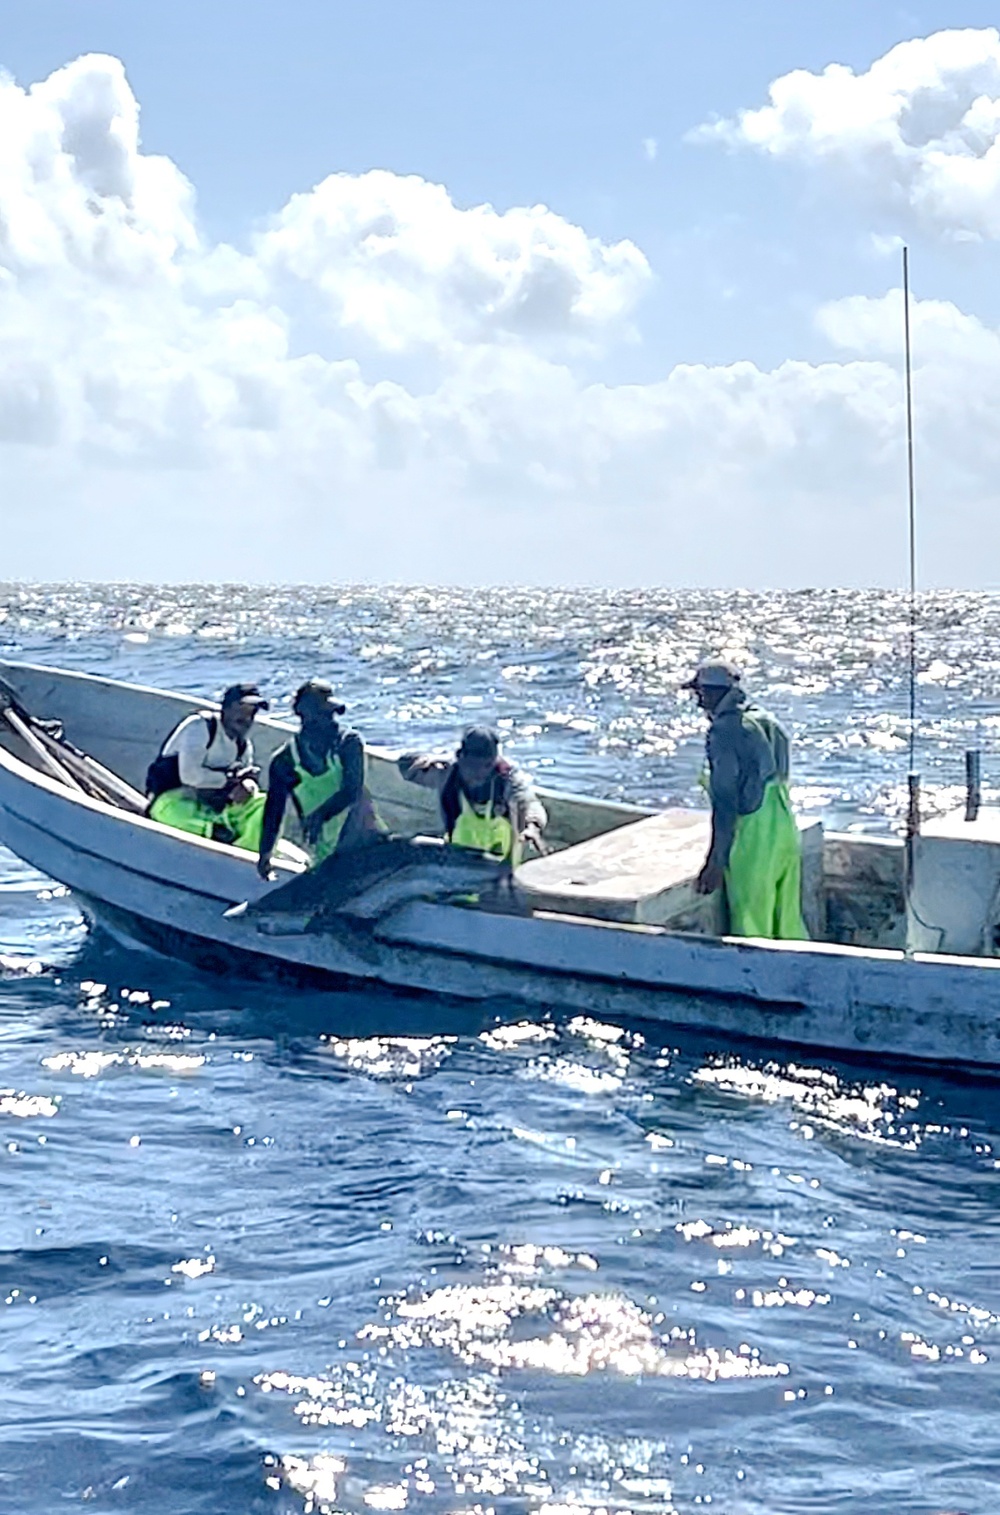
913	778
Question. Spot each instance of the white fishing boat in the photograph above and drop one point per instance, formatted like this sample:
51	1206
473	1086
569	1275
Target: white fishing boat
607	925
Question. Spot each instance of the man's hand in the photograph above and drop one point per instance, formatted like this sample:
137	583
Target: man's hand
264	868
241	791
426	763
710	878
531	836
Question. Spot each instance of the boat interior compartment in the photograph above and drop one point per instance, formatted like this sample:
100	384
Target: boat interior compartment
863	890
645	873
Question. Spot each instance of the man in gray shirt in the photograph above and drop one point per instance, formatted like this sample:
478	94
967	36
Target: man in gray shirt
755	852
487	803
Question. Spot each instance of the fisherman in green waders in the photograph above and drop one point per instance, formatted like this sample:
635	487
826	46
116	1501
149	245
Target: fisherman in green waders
203	780
322	772
488	803
755	853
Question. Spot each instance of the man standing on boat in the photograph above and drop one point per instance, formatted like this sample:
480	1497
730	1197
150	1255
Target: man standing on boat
322	772
487	803
204	781
755	852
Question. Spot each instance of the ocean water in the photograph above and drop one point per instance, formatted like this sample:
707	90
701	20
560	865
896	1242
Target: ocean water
280	1252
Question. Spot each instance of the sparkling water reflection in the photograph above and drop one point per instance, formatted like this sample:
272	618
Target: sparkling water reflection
341	1253
583	684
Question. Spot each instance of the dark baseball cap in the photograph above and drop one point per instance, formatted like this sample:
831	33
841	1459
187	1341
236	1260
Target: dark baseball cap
317	692
714	673
479	741
244	694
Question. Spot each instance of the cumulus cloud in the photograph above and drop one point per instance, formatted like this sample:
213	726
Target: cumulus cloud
175	408
75	188
398	260
918	133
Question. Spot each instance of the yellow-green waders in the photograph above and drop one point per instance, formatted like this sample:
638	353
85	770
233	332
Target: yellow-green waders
183	811
482	831
764	875
763	879
313	790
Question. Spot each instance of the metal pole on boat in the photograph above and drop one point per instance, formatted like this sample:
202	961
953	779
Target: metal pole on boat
973	783
913	778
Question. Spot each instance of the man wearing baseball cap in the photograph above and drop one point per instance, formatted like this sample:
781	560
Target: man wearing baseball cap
203	779
487	803
755	852
321	771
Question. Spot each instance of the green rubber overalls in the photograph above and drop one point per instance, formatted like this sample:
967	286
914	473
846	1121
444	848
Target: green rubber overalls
183	811
482	831
313	790
763	878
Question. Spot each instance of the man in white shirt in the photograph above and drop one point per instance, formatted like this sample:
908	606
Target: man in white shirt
204	780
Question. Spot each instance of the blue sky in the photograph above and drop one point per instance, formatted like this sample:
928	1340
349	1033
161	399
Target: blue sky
582	107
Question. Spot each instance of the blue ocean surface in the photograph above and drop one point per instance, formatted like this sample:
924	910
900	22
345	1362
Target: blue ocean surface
264	1250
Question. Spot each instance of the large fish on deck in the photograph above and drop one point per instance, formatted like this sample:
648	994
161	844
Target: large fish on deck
368	882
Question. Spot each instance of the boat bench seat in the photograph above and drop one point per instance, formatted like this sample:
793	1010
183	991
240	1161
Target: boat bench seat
645	873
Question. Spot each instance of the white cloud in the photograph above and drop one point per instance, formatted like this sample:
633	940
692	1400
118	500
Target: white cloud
650	148
917	134
397	260
74	188
171	408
